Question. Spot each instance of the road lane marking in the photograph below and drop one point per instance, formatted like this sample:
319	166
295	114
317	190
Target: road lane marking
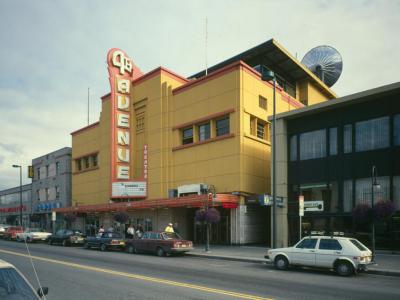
141	277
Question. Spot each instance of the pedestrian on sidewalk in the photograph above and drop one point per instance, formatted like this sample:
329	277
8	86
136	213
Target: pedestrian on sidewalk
176	228
169	228
101	230
139	231
130	232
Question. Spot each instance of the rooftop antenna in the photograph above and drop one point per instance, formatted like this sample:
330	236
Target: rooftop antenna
325	62
206	47
88	106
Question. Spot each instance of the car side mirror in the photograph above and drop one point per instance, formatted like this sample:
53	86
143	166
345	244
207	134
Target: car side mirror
43	291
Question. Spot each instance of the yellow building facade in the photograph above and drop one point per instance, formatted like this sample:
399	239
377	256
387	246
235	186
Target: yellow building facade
164	135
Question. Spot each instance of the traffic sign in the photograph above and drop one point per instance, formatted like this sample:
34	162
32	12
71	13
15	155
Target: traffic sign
314	205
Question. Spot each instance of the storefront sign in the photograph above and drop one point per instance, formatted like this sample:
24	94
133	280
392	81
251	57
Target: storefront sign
12	209
314	205
267	200
129	189
122	70
301	206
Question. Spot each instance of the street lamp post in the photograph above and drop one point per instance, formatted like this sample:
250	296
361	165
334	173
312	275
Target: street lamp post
267	75
374	184
20	193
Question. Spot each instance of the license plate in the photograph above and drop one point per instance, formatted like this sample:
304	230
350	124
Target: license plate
122	243
183	246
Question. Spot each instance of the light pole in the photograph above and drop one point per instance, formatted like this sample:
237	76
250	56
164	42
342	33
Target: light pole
20	193
374	184
267	75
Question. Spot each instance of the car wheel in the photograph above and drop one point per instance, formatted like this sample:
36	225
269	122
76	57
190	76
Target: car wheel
86	245
28	240
281	262
49	242
344	268
18	239
160	252
103	247
64	243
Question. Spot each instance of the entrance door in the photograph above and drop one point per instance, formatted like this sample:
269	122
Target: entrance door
92	225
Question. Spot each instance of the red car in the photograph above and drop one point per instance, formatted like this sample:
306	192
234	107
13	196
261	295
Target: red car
11	232
160	243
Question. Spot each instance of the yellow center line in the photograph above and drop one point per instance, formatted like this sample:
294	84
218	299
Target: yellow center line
141	277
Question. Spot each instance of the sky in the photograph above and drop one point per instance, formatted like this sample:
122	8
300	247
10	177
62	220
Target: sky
52	51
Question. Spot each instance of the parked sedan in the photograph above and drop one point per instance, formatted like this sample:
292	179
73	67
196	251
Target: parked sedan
105	241
3	228
67	237
11	232
160	243
345	255
33	235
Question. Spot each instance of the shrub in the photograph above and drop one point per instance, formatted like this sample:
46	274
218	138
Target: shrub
211	215
362	213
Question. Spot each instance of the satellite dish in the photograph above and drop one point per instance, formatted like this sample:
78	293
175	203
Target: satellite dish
325	62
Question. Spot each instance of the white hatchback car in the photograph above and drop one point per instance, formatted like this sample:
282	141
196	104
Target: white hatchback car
345	255
32	235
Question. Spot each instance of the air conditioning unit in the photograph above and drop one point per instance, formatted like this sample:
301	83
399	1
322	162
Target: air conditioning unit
192	189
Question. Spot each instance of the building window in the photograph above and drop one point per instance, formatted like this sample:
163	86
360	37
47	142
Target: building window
78	164
293	148
348	195
364	190
47	171
47	194
86	162
204	132
187	136
313	144
57	192
333	141
372	134
347	138
94	160
57	168
222	126
262	102
38	173
140	122
38	195
262	130
396	130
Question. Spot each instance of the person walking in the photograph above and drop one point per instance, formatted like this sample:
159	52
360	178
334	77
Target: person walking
169	228
139	231
176	228
130	232
101	230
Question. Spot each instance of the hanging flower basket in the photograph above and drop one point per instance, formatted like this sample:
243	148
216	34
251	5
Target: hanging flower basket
70	218
362	213
212	215
121	217
200	215
384	210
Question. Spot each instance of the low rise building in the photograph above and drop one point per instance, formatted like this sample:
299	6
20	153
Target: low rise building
10	205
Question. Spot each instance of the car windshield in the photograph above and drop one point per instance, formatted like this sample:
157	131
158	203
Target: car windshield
171	236
14	287
112	235
74	232
358	245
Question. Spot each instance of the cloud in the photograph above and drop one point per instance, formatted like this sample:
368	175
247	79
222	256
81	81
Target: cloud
52	51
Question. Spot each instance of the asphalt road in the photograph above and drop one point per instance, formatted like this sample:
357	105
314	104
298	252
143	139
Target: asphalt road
76	273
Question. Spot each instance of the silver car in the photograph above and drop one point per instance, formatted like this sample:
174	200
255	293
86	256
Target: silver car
345	255
14	285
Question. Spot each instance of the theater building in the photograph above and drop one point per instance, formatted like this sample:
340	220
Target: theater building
327	153
164	142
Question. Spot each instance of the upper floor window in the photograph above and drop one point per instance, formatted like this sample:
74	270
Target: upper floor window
333	141
372	134
57	192
262	102
187	136
313	144
260	130
78	164
94	160
204	131
47	171
222	126
57	168
347	138
47	194
86	162
140	122
38	173
396	130
293	148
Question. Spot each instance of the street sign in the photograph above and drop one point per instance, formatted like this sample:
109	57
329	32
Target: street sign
267	200
53	216
301	206
314	205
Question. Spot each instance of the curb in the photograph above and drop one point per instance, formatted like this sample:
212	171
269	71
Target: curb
259	260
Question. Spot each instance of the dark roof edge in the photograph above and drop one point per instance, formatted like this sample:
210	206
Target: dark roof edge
339	102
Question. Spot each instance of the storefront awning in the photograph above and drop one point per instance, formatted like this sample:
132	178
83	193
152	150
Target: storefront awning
187	201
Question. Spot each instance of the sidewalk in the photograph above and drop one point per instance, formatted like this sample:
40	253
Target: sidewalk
387	263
